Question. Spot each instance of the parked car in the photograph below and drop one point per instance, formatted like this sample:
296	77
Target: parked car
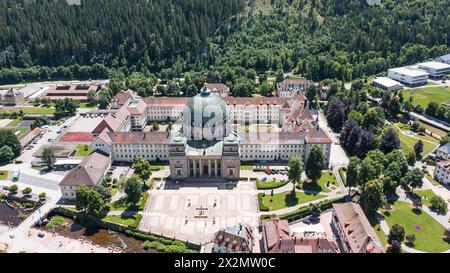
50	140
264	179
159	185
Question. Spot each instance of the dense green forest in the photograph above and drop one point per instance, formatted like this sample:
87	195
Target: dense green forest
47	39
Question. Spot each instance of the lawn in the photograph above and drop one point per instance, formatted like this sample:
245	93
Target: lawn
87	105
19	131
81	150
4	175
426	196
327	178
247	167
380	233
127	220
56	221
428	232
270	184
14	123
431	179
32	110
423	96
123	205
343	174
285	199
407	142
432	129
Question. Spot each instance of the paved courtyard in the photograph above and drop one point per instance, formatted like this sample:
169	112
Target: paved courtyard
195	212
82	124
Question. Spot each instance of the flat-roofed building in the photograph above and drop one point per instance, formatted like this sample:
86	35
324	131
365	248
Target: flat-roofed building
408	76
386	83
76	91
435	69
443	59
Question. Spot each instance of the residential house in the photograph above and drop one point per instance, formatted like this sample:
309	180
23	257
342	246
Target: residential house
443	152
442	172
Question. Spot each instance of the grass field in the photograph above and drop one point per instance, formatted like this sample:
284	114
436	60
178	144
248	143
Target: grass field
87	105
127	220
432	129
321	185
285	199
428	232
407	142
81	152
426	196
31	110
14	123
423	96
3	175
123	205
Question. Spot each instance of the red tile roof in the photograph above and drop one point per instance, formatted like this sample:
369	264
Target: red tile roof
89	172
112	121
123	96
139	137
358	231
76	137
277	238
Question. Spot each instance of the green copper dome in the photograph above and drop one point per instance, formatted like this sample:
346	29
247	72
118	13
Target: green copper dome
206	106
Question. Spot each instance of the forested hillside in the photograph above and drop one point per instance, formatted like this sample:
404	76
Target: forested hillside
339	39
47	39
147	34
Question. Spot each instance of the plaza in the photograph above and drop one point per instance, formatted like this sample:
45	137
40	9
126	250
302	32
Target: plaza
195	211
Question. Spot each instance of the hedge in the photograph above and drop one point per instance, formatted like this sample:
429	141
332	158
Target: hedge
162	244
261	205
270	184
343	174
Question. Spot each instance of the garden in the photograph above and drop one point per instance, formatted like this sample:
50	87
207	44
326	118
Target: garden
428	232
269	202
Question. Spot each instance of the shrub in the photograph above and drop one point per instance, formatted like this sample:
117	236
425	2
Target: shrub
13	188
261	205
42	195
438	204
27	191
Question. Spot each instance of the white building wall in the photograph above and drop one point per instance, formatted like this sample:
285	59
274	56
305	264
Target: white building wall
151	152
442	174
